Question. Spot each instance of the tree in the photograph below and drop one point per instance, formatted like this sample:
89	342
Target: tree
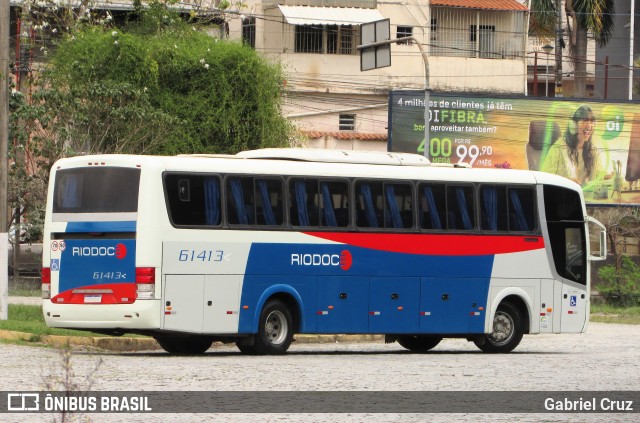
155	85
620	283
161	86
583	16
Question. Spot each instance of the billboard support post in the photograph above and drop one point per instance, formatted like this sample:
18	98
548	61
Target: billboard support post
375	53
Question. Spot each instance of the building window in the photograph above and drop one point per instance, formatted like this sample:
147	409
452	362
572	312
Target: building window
434	29
404	31
331	39
308	39
340	39
485	39
249	31
347	122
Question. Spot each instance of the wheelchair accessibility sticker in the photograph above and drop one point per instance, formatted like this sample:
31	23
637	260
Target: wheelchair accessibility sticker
573	301
55	265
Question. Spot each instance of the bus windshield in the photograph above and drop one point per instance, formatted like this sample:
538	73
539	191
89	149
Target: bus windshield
96	190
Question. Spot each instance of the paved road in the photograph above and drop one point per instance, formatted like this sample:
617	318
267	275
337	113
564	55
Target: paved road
606	358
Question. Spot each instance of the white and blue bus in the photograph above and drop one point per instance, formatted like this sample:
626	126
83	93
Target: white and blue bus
257	247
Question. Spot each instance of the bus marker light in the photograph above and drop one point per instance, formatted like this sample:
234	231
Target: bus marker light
425	313
168	308
322	312
549	310
400	308
481	308
330	307
543	314
245	307
145	283
46	282
374	313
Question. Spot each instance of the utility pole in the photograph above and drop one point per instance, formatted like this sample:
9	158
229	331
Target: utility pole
559	43
4	162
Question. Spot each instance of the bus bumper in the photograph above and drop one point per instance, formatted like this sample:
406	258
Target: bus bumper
142	314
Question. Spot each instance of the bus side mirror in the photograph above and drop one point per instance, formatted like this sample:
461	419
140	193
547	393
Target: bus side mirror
602	238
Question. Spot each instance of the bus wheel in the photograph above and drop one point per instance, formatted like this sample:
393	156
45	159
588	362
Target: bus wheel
507	331
419	343
275	331
246	345
181	345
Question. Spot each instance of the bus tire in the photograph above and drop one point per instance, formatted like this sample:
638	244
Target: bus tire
507	331
275	329
419	343
181	345
246	346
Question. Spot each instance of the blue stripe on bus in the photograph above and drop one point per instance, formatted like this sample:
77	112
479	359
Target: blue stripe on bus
124	226
348	289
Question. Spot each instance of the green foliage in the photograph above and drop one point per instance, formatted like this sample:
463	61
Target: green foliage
26	186
621	286
157	85
162	87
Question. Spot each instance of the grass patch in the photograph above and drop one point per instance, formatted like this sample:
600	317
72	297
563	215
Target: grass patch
25	292
29	319
603	313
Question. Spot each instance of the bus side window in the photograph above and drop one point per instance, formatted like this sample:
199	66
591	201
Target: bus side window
240	204
332	196
304	210
268	195
432	207
493	208
212	201
460	208
398	210
521	210
369	204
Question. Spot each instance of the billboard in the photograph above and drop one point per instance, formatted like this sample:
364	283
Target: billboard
595	143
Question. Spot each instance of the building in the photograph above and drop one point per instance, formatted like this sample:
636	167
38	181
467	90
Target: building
471	45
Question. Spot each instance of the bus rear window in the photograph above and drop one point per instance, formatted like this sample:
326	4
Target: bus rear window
96	190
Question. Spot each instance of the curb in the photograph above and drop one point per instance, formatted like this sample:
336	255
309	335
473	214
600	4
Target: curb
123	344
104	343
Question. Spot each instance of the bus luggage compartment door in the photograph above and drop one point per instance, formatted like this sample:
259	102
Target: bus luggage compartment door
453	305
343	303
182	300
221	303
394	305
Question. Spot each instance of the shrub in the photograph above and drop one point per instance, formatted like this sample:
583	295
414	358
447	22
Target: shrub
621	286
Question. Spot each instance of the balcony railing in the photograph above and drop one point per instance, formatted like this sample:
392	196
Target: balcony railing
485	34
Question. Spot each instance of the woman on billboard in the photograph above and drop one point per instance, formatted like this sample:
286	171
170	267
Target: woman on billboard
576	158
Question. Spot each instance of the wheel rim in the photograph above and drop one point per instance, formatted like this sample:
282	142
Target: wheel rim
275	327
503	329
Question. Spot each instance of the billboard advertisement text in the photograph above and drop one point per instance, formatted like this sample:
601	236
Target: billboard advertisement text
594	143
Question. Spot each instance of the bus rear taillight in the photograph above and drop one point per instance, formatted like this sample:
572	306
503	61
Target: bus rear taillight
46	283
145	283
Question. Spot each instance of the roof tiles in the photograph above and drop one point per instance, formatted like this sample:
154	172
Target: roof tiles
340	135
482	4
